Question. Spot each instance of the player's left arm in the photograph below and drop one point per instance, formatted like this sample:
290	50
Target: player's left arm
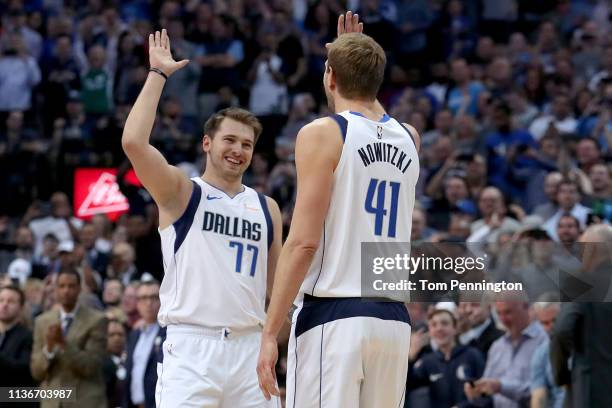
277	242
316	155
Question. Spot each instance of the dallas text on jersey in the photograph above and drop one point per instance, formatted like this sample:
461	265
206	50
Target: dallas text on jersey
231	226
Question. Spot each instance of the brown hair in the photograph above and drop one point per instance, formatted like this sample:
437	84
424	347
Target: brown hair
239	115
359	64
17	290
436	312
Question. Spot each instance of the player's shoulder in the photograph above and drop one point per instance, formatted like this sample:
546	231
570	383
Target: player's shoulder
320	130
413	133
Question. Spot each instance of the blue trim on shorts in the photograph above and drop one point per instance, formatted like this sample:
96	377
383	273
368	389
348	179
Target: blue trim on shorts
183	224
343	123
317	311
266	210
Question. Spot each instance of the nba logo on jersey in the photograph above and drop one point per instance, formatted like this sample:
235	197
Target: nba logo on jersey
379	131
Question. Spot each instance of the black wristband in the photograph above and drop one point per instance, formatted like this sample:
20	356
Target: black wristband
158	71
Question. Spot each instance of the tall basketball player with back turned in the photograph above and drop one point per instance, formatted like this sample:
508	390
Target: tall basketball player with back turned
344	351
219	238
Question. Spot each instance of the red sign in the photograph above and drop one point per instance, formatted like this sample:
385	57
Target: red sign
97	192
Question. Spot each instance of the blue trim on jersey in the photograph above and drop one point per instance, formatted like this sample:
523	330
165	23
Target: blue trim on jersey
182	225
385	117
407	131
342	122
317	311
266	210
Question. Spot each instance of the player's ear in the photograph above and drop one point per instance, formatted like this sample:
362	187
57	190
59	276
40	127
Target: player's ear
206	143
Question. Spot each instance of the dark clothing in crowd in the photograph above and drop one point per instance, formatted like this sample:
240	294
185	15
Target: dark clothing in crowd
445	378
581	353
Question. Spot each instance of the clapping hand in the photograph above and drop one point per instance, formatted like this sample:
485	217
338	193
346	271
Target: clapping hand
160	56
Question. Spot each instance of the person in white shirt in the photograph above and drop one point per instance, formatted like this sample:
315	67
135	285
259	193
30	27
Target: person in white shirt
561	118
568	201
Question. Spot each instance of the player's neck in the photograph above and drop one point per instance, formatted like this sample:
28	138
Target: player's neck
229	187
369	109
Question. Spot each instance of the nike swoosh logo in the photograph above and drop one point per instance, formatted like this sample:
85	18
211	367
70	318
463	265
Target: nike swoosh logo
209	197
435	377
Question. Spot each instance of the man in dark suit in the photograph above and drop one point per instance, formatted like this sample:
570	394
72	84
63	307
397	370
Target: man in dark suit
581	349
144	350
69	344
15	340
481	330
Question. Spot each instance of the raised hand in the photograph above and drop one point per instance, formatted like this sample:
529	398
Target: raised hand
160	56
349	23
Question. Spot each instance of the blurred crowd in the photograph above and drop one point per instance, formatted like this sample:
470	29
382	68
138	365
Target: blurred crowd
512	99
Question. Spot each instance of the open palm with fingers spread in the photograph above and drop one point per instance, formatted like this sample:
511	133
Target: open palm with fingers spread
160	56
349	24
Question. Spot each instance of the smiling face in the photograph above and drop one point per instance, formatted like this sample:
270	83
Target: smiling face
230	150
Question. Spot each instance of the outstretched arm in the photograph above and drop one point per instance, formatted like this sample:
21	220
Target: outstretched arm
168	186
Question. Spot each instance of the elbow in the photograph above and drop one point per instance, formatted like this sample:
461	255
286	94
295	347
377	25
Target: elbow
303	246
128	143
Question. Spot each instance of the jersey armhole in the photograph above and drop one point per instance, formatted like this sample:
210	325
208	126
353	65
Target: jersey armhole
409	133
343	123
182	225
269	224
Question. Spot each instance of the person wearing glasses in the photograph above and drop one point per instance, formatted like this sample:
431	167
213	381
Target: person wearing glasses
144	349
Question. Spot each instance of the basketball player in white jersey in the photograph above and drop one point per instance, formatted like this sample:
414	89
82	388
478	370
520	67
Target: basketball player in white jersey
220	242
356	177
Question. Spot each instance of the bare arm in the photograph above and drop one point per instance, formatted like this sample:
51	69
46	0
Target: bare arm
168	186
538	398
315	170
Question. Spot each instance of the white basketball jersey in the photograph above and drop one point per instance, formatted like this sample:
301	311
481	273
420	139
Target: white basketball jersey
372	201
215	260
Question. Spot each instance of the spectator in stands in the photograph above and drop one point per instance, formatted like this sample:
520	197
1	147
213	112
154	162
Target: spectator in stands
121	265
218	56
15	340
269	94
551	185
481	330
568	200
96	259
561	118
183	84
144	350
582	333
509	358
588	154
568	229
129	303
446	369
494	219
115	372
600	199
463	97
59	222
69	345
60	76
19	74
97	85
507	151
544	391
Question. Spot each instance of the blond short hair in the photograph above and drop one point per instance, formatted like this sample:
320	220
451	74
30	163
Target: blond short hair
359	65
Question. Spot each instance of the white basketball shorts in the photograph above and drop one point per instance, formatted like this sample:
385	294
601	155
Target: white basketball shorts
348	352
208	368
